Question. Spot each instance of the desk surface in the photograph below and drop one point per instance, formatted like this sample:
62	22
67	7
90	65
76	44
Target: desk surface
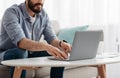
44	61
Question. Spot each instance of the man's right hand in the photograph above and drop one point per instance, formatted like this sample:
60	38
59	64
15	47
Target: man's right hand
57	53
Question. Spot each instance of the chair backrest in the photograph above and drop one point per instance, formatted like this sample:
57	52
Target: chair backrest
56	26
68	34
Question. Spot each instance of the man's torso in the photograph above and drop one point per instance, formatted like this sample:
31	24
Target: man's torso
31	31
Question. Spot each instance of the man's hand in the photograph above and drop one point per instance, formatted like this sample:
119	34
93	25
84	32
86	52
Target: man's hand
62	47
66	47
54	51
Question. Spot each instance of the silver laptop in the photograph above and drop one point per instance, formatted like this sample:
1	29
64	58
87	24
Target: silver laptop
85	45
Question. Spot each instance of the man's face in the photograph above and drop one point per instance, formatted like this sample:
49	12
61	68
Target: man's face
35	5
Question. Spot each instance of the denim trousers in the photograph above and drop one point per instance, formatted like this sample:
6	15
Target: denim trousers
56	72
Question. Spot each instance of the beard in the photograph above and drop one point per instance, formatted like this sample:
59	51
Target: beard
32	6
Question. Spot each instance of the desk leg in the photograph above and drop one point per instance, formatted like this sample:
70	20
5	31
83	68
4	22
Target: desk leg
102	70
17	72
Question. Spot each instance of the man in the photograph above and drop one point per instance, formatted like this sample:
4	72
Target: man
21	29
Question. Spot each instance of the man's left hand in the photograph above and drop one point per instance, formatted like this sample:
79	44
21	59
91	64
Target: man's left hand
66	47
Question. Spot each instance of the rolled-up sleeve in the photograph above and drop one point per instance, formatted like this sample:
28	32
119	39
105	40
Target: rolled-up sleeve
48	31
11	25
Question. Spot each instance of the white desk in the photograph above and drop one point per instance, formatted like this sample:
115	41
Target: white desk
29	63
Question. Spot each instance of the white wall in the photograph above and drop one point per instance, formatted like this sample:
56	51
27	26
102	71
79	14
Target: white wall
4	4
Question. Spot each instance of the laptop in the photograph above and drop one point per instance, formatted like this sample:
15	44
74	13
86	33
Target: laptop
85	45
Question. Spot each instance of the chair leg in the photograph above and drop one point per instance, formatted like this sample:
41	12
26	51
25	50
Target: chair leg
102	70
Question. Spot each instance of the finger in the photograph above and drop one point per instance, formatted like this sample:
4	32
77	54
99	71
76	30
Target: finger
56	53
52	52
67	48
65	55
61	54
67	51
57	56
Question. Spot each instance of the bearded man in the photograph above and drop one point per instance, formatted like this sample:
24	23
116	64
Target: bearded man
21	30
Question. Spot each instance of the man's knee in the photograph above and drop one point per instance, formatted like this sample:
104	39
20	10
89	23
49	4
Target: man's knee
21	53
15	54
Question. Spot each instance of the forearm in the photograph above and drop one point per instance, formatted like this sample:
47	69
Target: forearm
32	45
55	43
40	46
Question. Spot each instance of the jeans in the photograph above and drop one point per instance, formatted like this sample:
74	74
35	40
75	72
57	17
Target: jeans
56	72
